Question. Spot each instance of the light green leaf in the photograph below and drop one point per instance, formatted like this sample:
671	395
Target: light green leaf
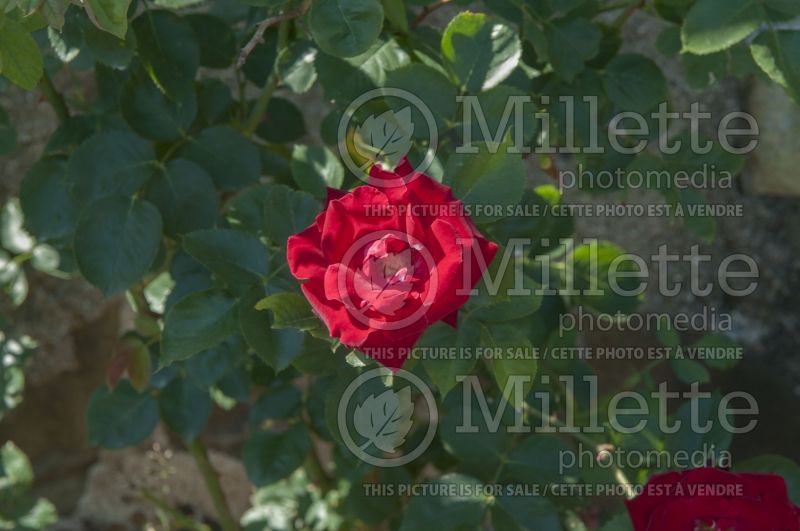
109	15
20	59
345	28
315	168
289	310
715	25
481	51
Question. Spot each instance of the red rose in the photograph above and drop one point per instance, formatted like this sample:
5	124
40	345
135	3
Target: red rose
385	261
713	499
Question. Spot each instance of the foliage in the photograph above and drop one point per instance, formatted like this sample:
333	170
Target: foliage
179	181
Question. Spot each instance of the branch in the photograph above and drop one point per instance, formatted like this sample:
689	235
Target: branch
427	10
54	97
258	36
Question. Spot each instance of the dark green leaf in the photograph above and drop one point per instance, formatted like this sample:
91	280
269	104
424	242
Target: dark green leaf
184	194
116	242
444	512
216	40
185	408
154	115
110	163
486	179
634	83
236	257
287	212
571	42
230	159
122	417
167	46
50	209
197	322
270	456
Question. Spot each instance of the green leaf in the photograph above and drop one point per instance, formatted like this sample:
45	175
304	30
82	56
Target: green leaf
536	459
184	194
346	79
107	48
122	417
13	235
345	28
443	372
715	25
283	122
395	11
634	83
20	59
155	116
690	371
315	168
116	242
287	212
277	347
15	468
435	90
109	15
289	310
488	178
110	163
185	408
230	159
777	53
588	269
521	513
168	49
727	359
236	257
198	322
216	39
443	512
514	359
481	51
270	456
571	42
296	66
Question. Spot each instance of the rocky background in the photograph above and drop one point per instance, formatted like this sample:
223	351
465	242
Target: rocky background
76	328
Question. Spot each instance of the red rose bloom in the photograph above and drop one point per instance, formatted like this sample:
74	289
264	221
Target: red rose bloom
385	261
713	499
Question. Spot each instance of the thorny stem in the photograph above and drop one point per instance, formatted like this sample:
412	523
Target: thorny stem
200	454
272	81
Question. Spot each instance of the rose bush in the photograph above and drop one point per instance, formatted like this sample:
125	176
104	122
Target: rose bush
709	498
201	167
380	264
